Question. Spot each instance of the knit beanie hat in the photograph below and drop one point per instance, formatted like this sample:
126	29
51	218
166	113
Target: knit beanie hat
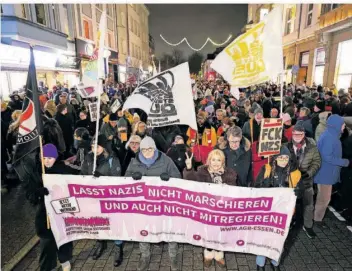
258	111
102	141
122	123
284	151
286	117
147	143
113	117
320	104
50	150
299	127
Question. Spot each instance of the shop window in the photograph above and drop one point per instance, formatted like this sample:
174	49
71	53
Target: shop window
309	15
304	59
344	67
328	7
87	10
289	21
78	10
40	13
87	29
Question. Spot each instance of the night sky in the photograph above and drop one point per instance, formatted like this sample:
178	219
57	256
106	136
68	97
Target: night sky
196	22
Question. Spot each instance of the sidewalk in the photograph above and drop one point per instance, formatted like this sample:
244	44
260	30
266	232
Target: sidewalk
331	250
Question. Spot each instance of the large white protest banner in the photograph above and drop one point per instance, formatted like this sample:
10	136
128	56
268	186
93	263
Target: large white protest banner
221	217
166	98
256	56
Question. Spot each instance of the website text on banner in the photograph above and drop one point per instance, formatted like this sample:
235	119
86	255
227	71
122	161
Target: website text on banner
270	137
220	217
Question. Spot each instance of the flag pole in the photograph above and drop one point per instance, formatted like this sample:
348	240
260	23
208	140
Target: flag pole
281	93
97	126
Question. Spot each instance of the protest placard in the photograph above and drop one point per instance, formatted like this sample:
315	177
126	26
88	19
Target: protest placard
115	106
93	110
221	217
270	137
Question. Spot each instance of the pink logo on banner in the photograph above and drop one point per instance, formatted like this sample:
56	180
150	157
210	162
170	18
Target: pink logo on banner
240	243
144	233
197	237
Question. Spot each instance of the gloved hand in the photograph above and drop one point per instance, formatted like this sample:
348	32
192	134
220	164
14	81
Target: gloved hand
97	174
136	176
304	175
164	176
41	192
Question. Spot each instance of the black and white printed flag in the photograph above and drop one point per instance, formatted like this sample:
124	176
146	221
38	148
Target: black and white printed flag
166	98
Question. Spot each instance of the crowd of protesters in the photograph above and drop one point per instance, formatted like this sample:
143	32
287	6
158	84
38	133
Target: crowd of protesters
314	159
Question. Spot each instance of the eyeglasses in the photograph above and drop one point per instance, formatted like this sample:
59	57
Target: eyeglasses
134	143
150	150
295	134
283	158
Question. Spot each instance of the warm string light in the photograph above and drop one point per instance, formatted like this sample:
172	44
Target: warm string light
195	49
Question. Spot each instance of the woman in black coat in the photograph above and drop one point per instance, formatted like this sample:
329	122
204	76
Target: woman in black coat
66	126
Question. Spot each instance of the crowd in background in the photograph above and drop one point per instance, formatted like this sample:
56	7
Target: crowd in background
315	156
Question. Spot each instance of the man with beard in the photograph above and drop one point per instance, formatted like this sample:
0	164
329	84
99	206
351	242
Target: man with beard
178	152
306	155
140	129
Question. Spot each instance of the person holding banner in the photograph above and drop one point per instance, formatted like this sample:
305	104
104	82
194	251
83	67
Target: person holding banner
152	162
281	172
306	155
48	248
213	172
107	165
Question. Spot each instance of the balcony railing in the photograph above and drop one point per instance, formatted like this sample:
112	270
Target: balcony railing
336	15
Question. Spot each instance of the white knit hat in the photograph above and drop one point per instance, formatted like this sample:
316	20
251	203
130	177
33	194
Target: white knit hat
147	142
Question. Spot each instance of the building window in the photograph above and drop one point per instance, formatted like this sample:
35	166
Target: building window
23	10
109	10
99	6
87	10
110	41
54	17
304	59
328	7
87	29
309	15
40	13
289	22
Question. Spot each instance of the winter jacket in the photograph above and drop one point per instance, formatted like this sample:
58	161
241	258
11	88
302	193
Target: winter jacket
267	178
163	164
126	160
267	106
67	130
107	165
178	155
202	175
107	130
90	126
348	122
251	130
330	148
315	121
241	162
323	117
309	163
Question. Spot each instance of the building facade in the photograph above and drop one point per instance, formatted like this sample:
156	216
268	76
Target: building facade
316	41
50	30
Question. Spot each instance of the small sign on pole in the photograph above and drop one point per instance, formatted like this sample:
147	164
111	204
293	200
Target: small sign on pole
93	111
270	137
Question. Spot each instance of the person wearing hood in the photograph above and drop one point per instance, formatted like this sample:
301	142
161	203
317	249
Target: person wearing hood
66	127
106	165
239	156
214	172
179	152
330	148
306	155
281	172
151	162
48	248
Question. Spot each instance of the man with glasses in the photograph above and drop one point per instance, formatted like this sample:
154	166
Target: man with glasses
152	162
307	158
238	155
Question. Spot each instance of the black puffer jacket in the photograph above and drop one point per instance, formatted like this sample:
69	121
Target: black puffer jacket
178	154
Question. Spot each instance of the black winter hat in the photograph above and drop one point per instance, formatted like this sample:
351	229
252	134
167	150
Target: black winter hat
299	127
320	104
113	117
102	141
348	110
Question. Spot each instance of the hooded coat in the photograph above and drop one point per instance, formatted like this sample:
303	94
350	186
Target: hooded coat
241	162
330	148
